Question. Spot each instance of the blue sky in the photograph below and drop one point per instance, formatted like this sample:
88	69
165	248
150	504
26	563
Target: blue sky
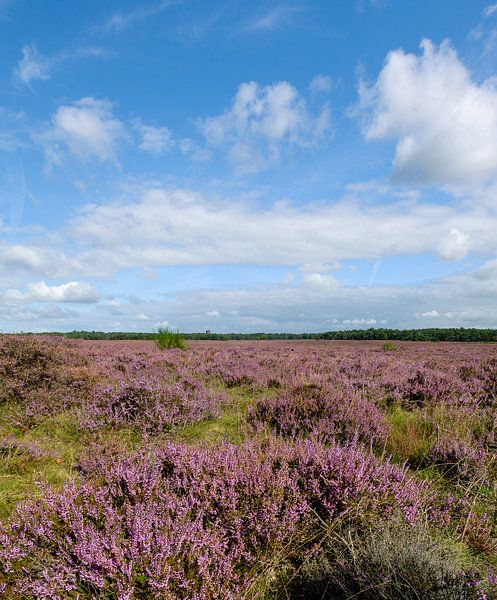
248	166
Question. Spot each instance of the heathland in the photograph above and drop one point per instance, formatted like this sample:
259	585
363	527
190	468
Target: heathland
285	469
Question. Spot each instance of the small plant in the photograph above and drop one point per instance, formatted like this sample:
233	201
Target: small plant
167	338
387	346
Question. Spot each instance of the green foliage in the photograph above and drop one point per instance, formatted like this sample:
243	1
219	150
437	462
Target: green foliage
167	338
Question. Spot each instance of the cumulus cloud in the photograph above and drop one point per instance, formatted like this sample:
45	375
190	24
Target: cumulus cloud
86	128
432	314
23	257
156	140
39	260
454	245
72	291
261	123
445	124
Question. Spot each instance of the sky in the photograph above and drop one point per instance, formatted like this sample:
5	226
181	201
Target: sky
248	165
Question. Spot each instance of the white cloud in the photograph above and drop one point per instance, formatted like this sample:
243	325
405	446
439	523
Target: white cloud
432	314
23	257
464	300
278	17
320	267
359	322
488	271
445	124
171	227
142	317
161	325
87	128
261	123
320	84
72	291
194	150
13	297
454	246
43	261
489	10
120	21
212	313
156	140
319	281
31	67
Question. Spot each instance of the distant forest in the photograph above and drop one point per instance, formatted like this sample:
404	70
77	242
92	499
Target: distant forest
417	335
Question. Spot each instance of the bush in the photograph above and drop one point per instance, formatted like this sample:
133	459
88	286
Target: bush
398	561
167	338
389	346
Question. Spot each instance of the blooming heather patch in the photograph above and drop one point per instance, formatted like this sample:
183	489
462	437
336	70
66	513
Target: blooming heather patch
40	376
189	522
325	412
151	405
13	447
143	515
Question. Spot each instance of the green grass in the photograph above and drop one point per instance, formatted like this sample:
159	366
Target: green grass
62	444
20	471
409	437
229	426
166	338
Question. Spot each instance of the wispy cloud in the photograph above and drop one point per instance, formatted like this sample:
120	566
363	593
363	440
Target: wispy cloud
489	10
120	21
156	140
280	17
33	66
320	84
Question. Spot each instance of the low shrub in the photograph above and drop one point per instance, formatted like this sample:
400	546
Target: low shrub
186	522
151	405
324	412
167	338
389	563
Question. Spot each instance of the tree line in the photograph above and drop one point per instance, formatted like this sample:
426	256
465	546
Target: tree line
433	334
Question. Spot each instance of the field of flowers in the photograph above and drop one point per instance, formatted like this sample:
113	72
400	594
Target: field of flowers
302	470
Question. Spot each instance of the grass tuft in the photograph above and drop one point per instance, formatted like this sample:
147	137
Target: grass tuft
167	338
